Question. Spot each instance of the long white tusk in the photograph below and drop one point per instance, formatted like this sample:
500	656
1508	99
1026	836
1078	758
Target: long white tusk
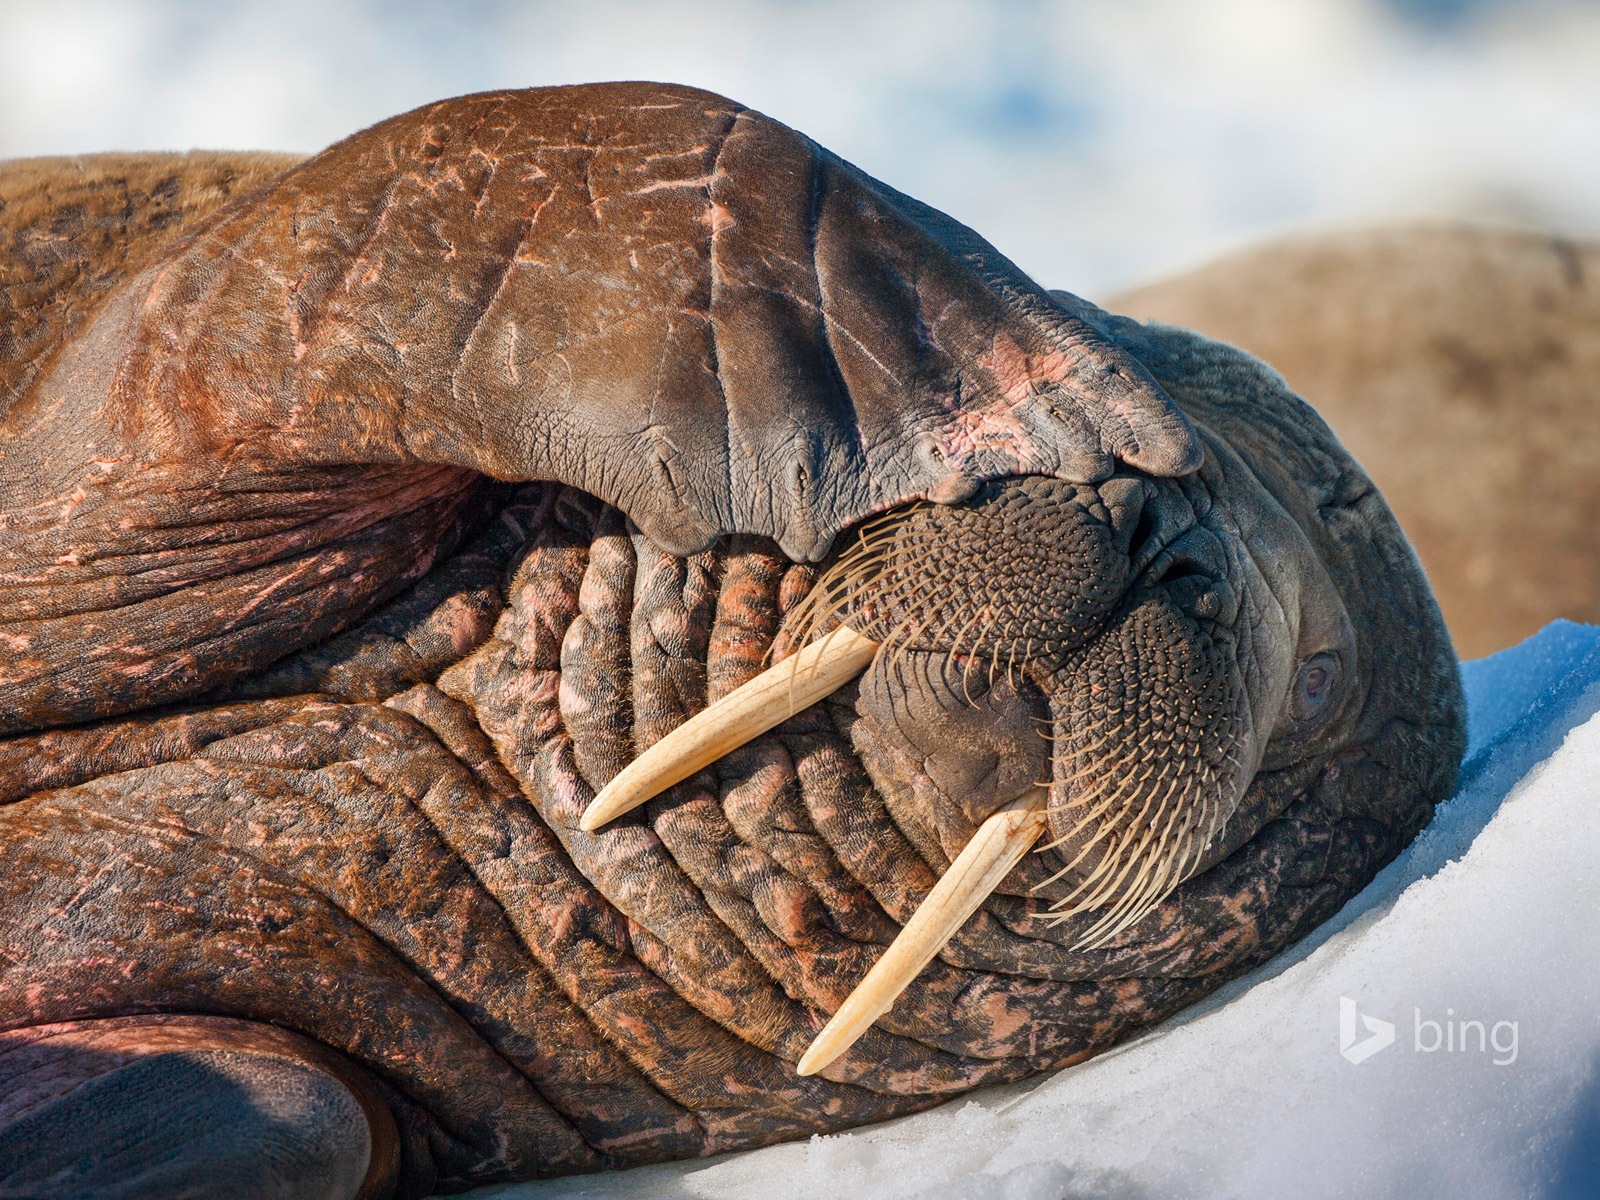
748	711
999	844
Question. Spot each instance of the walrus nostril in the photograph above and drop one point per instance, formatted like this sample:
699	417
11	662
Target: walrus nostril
1193	572
1147	515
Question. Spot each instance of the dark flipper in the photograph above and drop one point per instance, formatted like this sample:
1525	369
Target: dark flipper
648	292
643	291
94	1114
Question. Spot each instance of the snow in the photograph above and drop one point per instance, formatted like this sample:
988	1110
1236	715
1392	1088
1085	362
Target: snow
1490	917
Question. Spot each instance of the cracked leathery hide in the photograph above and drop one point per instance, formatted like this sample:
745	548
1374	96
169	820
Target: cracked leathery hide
401	879
648	292
374	846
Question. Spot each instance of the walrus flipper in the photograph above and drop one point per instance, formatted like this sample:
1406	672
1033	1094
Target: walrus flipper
645	291
106	1113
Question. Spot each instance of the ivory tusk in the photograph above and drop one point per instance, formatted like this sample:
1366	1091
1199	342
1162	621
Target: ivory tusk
999	844
773	696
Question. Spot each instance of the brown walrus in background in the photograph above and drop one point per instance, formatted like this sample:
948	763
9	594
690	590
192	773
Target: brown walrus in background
354	534
1461	365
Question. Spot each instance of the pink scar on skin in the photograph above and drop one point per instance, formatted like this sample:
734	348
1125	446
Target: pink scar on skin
993	431
79	495
994	428
1004	1017
1021	374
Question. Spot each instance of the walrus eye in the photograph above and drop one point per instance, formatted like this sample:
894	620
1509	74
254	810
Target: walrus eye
1315	685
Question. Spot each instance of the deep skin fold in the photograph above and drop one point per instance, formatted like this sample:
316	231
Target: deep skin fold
644	291
371	842
799	862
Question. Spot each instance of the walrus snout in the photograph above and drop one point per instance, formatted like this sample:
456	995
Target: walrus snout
1047	656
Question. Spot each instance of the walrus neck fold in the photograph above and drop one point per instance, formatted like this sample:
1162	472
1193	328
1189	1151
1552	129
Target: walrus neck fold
166	582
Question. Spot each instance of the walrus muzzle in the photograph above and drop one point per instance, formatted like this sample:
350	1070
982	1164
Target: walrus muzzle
1027	579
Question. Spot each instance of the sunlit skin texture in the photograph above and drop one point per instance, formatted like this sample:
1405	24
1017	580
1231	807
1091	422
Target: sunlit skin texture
303	709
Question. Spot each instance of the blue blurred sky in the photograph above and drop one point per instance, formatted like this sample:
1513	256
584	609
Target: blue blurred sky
1098	143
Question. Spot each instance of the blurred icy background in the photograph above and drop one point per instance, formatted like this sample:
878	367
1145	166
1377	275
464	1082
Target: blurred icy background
1098	143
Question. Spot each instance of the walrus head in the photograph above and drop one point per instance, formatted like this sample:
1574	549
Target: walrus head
1149	670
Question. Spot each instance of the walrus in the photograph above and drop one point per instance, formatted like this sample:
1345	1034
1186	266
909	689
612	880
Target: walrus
1448	357
379	537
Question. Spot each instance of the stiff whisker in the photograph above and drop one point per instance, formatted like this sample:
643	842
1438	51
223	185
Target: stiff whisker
1127	854
1109	827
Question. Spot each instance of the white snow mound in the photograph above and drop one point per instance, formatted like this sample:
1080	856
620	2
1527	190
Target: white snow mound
1439	1037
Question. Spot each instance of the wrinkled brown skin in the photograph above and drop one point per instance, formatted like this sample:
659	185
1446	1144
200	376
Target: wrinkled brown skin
1458	363
647	292
320	860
